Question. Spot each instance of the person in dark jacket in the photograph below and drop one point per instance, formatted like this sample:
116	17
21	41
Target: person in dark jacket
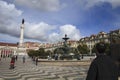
23	59
12	62
102	67
36	61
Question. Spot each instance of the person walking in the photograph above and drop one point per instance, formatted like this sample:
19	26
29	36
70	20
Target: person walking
56	56
102	67
12	63
36	61
16	57
23	59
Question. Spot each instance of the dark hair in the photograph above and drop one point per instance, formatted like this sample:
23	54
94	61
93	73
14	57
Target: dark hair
101	47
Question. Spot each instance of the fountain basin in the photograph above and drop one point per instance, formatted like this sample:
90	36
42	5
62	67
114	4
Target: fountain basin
65	62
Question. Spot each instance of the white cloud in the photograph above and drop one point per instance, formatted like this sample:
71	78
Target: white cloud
91	3
38	31
45	5
48	33
54	37
6	10
8	14
71	31
115	3
33	31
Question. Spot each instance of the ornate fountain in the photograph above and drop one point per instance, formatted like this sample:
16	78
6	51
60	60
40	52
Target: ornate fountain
66	49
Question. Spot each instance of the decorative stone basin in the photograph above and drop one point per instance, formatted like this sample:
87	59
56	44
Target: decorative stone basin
65	62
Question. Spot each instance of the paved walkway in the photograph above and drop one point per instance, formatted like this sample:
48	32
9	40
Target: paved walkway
29	71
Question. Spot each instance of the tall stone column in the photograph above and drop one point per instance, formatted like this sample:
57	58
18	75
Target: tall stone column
21	34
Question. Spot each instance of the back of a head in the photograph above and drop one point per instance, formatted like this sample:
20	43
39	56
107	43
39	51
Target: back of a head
101	47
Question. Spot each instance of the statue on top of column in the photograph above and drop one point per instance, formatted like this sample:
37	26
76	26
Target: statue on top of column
23	21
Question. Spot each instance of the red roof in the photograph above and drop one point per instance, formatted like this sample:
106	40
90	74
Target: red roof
8	44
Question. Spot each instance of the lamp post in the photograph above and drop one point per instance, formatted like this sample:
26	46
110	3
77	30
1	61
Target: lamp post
90	48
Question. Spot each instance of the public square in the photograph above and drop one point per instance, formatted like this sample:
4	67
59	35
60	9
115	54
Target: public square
29	71
61	35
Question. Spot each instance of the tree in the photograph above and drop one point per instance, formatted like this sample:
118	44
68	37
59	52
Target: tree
59	50
42	52
83	49
94	49
74	50
107	48
48	53
31	53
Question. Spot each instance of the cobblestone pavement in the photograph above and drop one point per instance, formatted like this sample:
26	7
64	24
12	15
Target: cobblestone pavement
29	71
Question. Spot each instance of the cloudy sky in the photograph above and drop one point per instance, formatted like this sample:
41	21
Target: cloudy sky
50	20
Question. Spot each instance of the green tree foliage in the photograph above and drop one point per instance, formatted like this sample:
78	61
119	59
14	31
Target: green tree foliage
83	49
107	48
59	50
31	53
40	52
94	49
74	50
48	53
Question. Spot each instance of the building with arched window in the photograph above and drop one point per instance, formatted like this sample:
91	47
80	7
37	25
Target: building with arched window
100	37
7	49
